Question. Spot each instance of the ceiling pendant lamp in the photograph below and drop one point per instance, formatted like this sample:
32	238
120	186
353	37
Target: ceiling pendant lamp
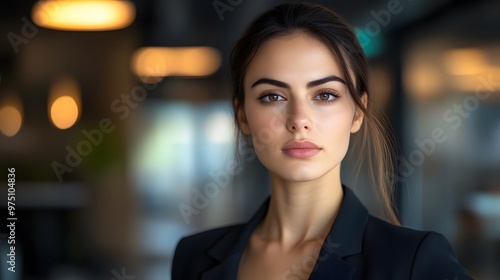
79	15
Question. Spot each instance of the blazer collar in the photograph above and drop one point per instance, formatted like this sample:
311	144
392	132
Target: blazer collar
344	238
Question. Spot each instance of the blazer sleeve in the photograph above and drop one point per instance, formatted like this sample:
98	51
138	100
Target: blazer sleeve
436	259
179	261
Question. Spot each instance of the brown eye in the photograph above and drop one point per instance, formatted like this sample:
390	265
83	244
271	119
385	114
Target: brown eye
269	98
324	96
327	97
273	97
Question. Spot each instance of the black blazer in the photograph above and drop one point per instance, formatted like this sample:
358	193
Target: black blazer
358	246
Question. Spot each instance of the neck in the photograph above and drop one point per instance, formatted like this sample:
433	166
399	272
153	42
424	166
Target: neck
301	211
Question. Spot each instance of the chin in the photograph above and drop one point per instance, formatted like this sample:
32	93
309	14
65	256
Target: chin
299	174
295	170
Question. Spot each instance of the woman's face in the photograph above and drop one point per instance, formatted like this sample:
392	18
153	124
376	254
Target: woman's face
295	92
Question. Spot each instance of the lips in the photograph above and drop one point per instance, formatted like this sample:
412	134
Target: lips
301	149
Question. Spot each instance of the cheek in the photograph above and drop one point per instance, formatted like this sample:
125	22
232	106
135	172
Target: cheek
336	125
264	120
335	131
267	128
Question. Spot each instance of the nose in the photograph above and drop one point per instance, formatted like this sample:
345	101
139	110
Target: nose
298	119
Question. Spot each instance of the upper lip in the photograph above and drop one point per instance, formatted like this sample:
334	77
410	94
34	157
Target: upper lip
304	144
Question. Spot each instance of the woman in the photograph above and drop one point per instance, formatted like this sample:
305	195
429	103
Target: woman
300	93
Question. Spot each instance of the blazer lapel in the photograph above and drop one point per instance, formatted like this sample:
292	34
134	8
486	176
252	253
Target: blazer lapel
226	270
333	268
344	239
229	249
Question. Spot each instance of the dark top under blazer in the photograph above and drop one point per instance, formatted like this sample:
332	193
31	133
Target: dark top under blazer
358	246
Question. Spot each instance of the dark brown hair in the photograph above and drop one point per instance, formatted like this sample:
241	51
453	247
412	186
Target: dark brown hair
372	141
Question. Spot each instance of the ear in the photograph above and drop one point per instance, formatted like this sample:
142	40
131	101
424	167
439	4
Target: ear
358	116
241	117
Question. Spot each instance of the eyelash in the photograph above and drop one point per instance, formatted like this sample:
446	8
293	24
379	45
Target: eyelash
267	94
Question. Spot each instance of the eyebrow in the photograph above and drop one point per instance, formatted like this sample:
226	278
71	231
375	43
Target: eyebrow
311	84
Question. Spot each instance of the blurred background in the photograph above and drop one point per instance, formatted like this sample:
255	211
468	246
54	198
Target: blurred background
116	118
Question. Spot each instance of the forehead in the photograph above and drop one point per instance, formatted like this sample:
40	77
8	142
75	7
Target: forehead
293	56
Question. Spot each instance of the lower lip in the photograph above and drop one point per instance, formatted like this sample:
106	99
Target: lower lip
301	153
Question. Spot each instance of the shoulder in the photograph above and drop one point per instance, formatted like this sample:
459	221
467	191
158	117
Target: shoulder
418	254
382	231
191	253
